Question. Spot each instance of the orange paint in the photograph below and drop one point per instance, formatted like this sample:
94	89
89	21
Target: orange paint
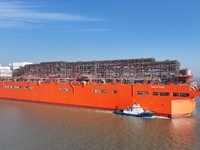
166	100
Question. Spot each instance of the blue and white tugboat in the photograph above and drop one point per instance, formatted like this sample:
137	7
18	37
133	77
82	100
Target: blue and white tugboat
136	111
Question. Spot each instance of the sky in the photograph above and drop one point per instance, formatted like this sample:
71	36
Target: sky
86	30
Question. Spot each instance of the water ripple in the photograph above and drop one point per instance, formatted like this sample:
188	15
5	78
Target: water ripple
33	126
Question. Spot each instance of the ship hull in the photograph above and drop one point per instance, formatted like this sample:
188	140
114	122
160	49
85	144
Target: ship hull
105	96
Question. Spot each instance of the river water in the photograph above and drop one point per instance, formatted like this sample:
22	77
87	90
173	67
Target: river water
39	126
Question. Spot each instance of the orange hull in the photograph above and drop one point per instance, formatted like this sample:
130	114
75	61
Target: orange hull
166	100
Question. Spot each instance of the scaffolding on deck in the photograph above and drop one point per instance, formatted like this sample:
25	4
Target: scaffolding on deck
124	68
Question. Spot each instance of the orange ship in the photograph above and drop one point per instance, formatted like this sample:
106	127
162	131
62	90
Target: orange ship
172	98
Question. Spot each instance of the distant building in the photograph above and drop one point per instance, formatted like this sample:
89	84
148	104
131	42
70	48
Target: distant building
5	71
17	65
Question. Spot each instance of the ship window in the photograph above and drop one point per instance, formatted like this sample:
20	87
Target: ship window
99	91
8	87
96	91
103	91
184	94
142	93
29	87
114	91
65	89
175	94
13	87
155	93
164	93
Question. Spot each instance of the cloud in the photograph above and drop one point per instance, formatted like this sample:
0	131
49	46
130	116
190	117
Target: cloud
90	30
18	14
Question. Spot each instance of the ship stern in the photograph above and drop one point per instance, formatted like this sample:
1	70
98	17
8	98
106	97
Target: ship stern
182	108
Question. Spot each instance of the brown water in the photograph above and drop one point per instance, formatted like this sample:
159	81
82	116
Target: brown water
38	126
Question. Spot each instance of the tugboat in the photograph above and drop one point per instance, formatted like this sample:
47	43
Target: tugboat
136	111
